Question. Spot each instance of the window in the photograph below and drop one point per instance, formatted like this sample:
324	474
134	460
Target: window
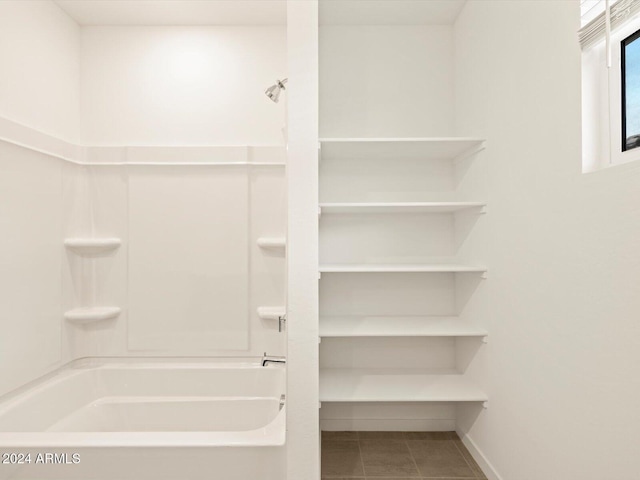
630	91
610	41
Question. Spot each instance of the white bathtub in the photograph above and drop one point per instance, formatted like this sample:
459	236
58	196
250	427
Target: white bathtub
133	420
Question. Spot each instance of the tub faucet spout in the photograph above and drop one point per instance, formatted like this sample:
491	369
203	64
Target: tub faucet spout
271	359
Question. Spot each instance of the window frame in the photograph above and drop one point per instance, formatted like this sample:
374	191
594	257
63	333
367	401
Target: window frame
623	88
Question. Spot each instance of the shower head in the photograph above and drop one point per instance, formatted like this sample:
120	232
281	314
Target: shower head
273	92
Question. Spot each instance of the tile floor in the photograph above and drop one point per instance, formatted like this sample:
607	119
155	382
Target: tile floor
396	456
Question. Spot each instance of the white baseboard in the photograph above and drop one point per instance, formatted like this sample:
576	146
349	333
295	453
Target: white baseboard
479	457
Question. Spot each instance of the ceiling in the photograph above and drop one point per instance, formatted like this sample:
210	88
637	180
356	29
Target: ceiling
389	12
258	12
176	12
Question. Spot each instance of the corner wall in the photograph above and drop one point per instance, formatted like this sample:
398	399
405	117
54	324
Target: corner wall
39	58
561	369
39	88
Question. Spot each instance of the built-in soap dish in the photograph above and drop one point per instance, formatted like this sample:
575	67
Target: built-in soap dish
92	246
276	243
88	315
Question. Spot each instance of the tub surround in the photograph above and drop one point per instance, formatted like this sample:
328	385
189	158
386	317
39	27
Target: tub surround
93	186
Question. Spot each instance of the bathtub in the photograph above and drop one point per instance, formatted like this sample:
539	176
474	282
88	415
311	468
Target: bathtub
104	420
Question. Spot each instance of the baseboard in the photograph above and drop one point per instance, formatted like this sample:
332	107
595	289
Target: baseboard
479	457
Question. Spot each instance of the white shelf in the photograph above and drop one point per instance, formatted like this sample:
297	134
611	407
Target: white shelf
392	385
88	246
404	207
400	268
399	148
272	242
387	326
88	315
271	313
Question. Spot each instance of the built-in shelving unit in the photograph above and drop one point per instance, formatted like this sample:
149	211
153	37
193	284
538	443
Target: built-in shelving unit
395	148
388	326
84	316
276	243
400	207
378	321
396	385
401	268
271	313
92	246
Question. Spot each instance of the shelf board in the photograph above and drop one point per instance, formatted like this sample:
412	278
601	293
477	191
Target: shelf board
271	313
390	326
88	246
402	207
396	385
400	268
443	148
83	316
272	242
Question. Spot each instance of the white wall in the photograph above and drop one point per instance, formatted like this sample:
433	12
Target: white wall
561	368
303	423
386	81
139	85
39	58
181	85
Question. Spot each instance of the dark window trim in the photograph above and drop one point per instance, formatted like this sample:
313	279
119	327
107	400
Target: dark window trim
623	45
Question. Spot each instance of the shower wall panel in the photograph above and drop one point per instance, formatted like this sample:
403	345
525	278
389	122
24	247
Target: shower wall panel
31	252
188	259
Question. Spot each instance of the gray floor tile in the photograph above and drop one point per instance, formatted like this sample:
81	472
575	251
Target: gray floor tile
439	459
387	458
341	458
394	456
